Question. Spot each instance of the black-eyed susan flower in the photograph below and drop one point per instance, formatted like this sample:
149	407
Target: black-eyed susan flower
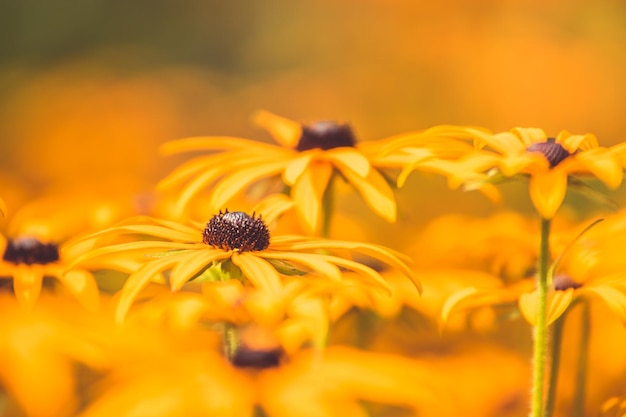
548	162
230	245
592	267
306	158
27	260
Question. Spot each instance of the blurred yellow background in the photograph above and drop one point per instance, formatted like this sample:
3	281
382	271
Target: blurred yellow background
89	89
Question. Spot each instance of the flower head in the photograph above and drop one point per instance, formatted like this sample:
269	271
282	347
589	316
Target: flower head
232	245
26	260
548	162
306	158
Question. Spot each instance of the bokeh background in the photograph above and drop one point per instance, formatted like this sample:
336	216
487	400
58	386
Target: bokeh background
89	89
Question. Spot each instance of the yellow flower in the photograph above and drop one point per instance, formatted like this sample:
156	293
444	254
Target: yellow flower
232	244
39	351
306	158
27	261
549	162
592	267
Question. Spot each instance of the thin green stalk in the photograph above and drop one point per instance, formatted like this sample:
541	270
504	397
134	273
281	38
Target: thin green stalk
541	329
583	359
328	205
555	362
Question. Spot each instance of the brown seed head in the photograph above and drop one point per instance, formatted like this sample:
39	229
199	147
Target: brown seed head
553	151
325	135
29	250
236	231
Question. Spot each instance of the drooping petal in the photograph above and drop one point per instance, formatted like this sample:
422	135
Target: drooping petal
259	272
190	264
309	191
97	258
556	304
138	280
27	284
614	299
273	206
82	285
297	166
547	191
602	164
375	191
285	131
240	180
349	159
319	263
471	297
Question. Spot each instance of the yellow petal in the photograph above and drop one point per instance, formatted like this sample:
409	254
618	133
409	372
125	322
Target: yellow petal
529	135
82	285
191	263
375	191
27	284
3	208
349	159
296	167
556	304
603	165
273	206
573	143
319	263
240	180
259	272
188	169
308	192
285	131
614	299
547	191
138	280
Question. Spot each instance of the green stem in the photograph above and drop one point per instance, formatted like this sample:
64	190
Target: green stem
555	362
583	358
541	329
328	203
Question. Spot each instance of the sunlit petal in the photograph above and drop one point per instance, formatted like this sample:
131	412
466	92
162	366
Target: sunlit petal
27	284
296	167
375	191
82	285
309	191
547	191
190	264
138	280
285	131
259	272
349	159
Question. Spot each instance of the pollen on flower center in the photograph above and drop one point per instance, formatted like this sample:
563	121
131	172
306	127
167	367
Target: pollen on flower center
553	151
236	231
325	135
28	250
563	282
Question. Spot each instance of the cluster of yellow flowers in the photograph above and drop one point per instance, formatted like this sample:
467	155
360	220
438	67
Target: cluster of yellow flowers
229	295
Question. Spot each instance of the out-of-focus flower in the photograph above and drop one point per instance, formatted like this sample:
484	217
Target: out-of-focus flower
306	157
549	162
592	267
39	351
233	245
613	407
27	261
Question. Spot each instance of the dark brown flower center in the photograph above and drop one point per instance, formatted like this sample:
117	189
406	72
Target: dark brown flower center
236	231
246	357
562	282
325	135
552	150
28	250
